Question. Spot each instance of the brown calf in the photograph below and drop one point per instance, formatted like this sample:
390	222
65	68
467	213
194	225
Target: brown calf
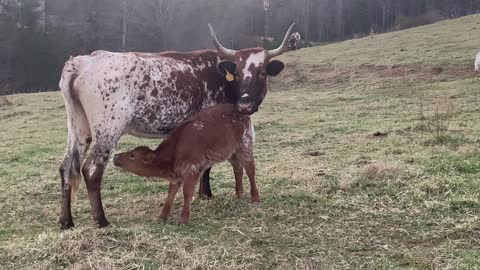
213	135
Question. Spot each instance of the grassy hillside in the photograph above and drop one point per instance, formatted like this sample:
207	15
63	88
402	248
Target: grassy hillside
448	42
351	172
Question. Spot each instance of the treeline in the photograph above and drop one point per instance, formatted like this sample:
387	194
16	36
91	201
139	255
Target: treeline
37	36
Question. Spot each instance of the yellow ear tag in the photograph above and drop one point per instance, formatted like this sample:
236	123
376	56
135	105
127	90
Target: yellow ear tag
229	76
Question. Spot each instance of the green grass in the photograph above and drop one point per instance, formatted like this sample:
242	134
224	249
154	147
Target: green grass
333	196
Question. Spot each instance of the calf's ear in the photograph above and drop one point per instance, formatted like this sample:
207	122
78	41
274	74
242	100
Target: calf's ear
227	67
148	159
275	67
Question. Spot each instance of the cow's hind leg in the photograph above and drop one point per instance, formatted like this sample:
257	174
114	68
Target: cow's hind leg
93	170
65	219
78	142
204	190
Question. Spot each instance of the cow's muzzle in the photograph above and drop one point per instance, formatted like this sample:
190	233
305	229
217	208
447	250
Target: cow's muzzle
246	108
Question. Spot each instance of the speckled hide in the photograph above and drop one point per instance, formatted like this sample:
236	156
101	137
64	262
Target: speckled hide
145	95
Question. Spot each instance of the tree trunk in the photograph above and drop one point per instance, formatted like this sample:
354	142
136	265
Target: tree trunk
339	20
384	15
306	23
124	26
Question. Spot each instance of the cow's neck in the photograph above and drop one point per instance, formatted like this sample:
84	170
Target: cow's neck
218	89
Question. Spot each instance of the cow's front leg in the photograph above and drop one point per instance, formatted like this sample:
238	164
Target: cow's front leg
204	190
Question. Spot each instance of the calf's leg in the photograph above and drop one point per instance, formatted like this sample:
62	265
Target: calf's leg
167	207
238	172
188	190
250	170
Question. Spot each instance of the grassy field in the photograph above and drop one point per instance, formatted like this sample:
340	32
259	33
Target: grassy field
352	172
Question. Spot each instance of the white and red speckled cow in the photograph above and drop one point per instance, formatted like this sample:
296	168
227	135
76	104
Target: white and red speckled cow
109	94
294	41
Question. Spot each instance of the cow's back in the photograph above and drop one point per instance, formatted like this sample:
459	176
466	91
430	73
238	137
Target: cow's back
148	93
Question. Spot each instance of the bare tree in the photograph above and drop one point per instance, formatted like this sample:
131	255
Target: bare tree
154	19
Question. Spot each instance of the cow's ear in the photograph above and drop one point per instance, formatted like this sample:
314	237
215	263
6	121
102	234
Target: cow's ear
275	67
227	67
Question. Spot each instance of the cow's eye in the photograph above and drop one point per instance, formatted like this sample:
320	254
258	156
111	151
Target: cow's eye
131	156
263	74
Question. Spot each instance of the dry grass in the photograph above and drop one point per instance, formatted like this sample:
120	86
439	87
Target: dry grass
332	195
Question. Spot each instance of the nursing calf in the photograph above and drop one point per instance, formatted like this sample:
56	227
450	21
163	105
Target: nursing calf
215	134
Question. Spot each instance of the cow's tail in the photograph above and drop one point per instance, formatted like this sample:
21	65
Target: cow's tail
70	168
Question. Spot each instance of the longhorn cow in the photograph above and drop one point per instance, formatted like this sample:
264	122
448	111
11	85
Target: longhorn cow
109	94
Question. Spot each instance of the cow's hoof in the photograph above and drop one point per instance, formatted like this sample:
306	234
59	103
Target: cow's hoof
207	196
103	223
67	225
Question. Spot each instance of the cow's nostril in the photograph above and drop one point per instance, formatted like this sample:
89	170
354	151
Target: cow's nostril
244	106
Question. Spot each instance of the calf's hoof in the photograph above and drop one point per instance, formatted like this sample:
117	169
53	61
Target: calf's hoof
183	221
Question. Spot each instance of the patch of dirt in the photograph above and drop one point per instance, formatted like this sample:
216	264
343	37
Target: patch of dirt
379	75
378	134
313	153
14	114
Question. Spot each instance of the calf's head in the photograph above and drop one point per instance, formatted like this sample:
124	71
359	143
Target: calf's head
248	70
139	161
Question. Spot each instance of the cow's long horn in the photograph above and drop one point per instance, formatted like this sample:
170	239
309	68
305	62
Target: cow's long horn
220	48
284	46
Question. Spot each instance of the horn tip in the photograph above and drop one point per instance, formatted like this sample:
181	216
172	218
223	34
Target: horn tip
212	31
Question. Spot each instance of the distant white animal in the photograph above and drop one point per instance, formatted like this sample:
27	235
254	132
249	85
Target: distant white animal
477	63
294	41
